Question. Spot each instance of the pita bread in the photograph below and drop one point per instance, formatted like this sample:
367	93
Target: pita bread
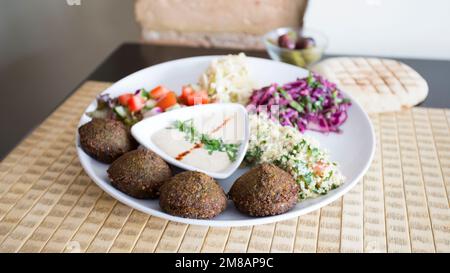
379	85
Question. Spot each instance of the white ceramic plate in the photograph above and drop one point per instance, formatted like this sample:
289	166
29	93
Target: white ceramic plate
353	149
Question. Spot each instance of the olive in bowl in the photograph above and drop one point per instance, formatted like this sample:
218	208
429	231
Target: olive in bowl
301	47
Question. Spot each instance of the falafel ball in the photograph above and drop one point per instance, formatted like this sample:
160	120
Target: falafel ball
192	194
106	139
139	173
264	190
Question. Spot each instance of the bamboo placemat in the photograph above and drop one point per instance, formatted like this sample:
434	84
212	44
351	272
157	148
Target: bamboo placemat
48	203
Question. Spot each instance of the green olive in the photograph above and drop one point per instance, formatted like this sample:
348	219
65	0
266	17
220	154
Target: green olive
293	57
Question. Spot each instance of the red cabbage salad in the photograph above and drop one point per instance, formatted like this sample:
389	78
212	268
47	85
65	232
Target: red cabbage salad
310	103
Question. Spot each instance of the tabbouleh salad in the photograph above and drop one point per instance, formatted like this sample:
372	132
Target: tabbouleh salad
297	154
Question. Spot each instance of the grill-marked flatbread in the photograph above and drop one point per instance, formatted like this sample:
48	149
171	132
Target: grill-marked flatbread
379	85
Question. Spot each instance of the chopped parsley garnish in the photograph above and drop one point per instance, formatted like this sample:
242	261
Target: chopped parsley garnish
210	144
292	102
312	81
307	178
254	155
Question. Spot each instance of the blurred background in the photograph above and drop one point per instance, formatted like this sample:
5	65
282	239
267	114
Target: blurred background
48	47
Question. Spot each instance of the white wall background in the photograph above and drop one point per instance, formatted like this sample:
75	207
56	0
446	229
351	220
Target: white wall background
396	28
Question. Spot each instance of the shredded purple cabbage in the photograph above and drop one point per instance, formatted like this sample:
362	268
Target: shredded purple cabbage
310	103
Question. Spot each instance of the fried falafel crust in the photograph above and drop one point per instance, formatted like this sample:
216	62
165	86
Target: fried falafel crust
139	173
265	190
106	139
193	194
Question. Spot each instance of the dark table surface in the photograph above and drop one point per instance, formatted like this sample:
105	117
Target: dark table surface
130	57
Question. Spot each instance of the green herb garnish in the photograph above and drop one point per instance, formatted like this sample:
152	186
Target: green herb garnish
313	152
307	178
292	102
312	81
253	155
210	144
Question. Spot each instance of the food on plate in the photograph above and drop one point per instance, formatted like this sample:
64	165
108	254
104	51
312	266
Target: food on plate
285	166
209	142
193	95
130	108
228	79
310	103
192	194
139	173
299	155
105	139
265	190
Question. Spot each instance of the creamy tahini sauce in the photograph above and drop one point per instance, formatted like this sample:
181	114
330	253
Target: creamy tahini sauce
227	126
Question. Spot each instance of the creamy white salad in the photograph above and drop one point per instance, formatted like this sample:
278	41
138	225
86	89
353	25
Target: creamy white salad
228	79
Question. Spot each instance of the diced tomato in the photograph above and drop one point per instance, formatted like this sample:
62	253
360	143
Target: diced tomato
186	91
123	99
192	100
159	92
319	168
200	97
136	103
205	99
167	101
182	100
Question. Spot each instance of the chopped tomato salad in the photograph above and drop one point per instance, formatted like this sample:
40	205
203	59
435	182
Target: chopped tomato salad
133	107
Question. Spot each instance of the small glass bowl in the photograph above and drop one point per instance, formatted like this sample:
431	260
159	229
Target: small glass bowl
300	57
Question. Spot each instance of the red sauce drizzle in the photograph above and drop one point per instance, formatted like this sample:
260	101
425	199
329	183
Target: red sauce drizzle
185	153
220	126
